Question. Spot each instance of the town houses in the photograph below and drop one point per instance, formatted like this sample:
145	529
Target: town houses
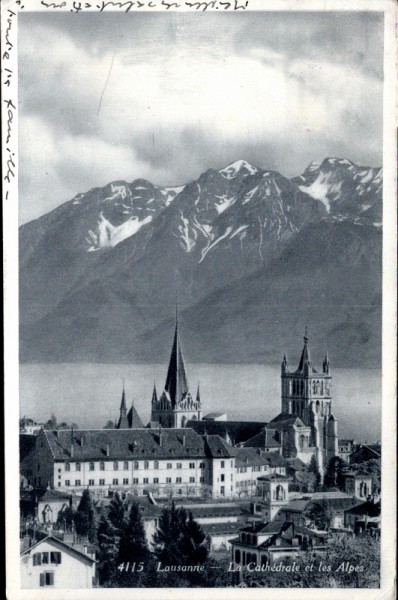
247	479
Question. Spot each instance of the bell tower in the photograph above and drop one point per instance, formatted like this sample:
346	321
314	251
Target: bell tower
307	394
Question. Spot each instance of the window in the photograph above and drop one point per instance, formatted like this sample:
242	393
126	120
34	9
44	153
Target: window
146	480
92	466
37	559
125	481
237	556
102	466
179	465
178	479
222	477
115	482
135	480
222	490
77	482
91	482
67	482
126	465
232	463
146	465
78	466
46	579
102	481
136	465
156	480
59	470
222	464
55	558
169	465
115	465
232	476
59	484
202	466
202	480
44	558
191	465
192	480
67	467
168	479
156	464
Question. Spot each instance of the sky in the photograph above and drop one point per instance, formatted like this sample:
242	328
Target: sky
165	96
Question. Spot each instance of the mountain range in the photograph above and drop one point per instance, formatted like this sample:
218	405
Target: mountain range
252	256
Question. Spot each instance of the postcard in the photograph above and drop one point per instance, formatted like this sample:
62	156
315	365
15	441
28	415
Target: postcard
199	206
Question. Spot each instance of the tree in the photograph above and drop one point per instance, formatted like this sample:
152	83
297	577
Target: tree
109	425
133	556
179	540
334	476
84	518
108	547
117	511
371	468
66	518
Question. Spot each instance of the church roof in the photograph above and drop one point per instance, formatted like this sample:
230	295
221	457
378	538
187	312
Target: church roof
263	439
285	419
133	418
238	431
176	381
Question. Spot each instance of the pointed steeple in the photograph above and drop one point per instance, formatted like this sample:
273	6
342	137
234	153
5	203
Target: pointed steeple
198	393
154	394
123	422
176	380
305	362
326	365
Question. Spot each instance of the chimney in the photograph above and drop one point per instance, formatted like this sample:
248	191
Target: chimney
183	439
72	449
107	450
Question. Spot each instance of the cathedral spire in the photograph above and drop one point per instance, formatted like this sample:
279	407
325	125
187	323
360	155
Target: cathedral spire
176	380
123	422
154	394
284	364
198	393
305	355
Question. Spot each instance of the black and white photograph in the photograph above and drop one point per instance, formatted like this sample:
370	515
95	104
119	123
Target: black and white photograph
200	212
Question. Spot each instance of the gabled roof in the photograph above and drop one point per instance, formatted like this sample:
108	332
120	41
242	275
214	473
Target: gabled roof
54	495
371	509
217	447
60	545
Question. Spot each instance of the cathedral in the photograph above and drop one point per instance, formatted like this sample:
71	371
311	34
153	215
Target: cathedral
305	428
306	423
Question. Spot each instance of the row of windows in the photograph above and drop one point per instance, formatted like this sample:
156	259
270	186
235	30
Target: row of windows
136	465
126	481
45	558
255	469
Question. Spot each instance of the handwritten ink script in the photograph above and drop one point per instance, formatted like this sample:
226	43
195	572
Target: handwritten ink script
76	7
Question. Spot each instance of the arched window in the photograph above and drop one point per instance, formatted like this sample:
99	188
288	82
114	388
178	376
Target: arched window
136	465
183	421
280	493
156	464
194	418
102	466
301	387
115	465
302	442
146	464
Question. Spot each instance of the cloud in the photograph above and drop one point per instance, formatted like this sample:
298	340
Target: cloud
161	100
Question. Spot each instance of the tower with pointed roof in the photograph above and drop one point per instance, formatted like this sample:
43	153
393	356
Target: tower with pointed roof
176	406
307	395
123	421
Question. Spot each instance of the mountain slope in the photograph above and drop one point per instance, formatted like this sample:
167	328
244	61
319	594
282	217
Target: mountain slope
99	276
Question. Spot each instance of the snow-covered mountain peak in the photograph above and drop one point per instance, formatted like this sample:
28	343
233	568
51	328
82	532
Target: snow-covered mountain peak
238	167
